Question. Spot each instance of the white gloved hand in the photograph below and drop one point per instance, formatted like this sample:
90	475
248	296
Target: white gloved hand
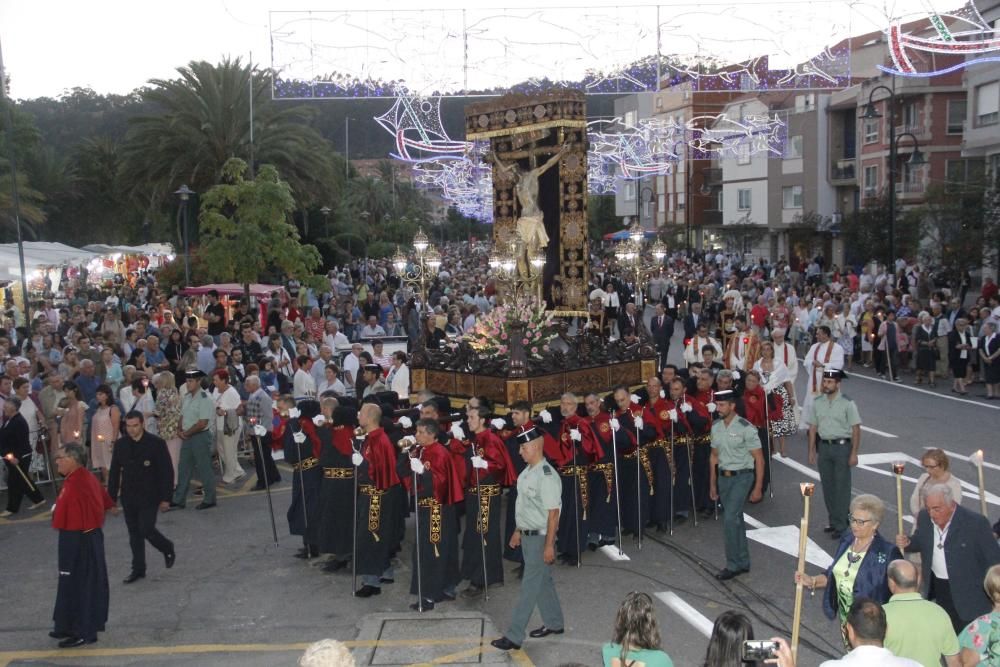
299	437
418	407
259	431
736	375
271	389
319	420
575	434
614	424
685	407
498	423
357	459
663	394
294	413
634	398
479	462
417	466
672	413
638	422
711	406
405	422
457	432
545	416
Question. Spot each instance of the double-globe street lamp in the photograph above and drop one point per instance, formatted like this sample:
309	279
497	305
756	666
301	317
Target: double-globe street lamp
519	274
184	194
916	160
629	254
425	267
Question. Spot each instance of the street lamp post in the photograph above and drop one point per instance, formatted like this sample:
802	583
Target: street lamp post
638	203
326	220
428	262
916	160
630	252
704	191
184	194
519	281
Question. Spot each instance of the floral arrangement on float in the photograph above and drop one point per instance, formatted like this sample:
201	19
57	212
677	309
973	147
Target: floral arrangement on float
508	329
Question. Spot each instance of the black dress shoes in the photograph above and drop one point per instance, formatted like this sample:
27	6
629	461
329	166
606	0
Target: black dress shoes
725	574
543	631
367	591
133	577
169	558
335	566
505	644
73	642
59	635
828	529
176	506
428	606
205	506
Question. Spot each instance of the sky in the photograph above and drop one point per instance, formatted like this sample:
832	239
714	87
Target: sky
114	46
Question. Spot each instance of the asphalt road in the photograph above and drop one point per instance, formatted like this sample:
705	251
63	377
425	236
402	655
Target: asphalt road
235	598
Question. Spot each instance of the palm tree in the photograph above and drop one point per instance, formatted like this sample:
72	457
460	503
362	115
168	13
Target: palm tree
205	120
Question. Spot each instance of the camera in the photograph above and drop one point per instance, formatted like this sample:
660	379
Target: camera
757	650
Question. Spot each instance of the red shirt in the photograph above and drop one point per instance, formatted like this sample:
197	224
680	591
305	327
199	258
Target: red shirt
588	441
81	503
758	315
491	448
381	457
316	326
444	473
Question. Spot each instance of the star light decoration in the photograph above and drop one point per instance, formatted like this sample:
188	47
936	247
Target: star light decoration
617	151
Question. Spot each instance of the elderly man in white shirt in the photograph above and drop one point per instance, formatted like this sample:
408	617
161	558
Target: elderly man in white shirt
227	426
333	336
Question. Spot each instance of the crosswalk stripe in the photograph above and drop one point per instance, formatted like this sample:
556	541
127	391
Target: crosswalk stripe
792	463
698	620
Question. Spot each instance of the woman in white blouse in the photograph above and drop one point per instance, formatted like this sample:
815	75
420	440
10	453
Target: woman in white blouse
331	381
778	380
398	379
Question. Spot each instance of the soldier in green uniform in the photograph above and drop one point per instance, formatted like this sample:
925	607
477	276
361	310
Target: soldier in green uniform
835	426
736	470
197	410
539	499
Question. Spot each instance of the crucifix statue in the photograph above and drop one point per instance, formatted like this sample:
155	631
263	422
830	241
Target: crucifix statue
530	221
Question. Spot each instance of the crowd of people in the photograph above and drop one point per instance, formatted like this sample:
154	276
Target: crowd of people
142	377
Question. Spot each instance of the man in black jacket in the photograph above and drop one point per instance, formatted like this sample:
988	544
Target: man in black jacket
956	548
16	454
141	469
661	327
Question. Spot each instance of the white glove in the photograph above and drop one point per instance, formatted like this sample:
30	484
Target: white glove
319	420
710	406
634	398
545	416
405	422
638	422
357	459
479	462
736	375
271	389
672	413
417	466
575	434
294	413
418	406
457	432
299	437
259	431
685	407
614	424
498	423
663	394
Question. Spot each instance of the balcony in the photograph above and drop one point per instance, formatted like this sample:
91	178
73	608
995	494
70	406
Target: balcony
910	190
915	129
842	172
713	176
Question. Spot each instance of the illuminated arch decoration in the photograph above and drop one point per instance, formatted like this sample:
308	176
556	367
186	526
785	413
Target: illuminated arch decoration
964	35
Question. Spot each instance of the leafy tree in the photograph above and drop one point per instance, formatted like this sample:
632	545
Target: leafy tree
743	234
866	231
952	228
601	218
22	137
245	228
202	119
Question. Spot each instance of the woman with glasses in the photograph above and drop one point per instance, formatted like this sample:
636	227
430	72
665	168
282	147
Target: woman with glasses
859	567
936	465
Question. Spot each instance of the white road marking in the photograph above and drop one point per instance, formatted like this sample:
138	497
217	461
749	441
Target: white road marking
786	540
792	463
888	457
869	429
869	461
752	521
925	391
698	620
956	455
611	551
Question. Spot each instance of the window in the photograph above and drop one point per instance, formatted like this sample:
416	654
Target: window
680	201
791	196
871	130
956	116
793	149
871	180
910	118
987	104
962	173
630	118
629	191
743	154
743	199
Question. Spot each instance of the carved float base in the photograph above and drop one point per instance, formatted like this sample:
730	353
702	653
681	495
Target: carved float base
540	390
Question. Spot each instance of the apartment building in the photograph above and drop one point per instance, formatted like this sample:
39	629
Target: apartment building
634	197
981	138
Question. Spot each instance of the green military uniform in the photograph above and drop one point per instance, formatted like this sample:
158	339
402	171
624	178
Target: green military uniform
834	418
196	451
539	490
735	479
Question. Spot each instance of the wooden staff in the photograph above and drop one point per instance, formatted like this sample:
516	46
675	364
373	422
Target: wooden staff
17	466
977	459
897	468
807	490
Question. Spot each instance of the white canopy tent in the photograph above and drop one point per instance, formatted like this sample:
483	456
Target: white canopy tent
149	249
38	255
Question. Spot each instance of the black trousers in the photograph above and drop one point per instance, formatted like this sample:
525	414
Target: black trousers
141	523
940	592
17	488
263	462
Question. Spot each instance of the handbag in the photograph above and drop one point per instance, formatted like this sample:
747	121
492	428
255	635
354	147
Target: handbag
230	423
